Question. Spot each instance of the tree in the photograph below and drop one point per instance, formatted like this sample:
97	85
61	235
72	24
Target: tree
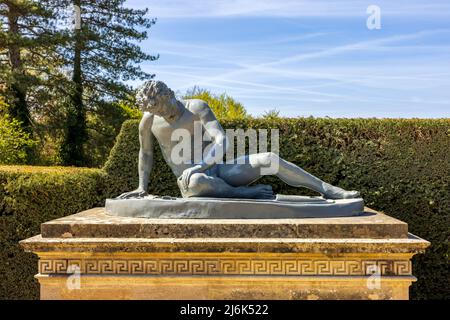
27	39
27	51
14	141
223	105
103	55
272	114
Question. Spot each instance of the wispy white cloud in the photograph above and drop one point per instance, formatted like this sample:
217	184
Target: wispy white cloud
268	67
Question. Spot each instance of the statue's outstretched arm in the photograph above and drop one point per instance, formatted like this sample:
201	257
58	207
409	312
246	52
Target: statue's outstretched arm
145	157
146	150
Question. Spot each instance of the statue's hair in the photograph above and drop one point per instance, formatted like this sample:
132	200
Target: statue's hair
150	90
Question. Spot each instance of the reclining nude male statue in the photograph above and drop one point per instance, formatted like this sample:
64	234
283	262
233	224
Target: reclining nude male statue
163	114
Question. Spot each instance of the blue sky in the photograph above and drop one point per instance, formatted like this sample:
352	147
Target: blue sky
303	58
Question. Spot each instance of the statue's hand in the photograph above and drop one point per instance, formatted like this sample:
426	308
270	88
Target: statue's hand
186	175
138	193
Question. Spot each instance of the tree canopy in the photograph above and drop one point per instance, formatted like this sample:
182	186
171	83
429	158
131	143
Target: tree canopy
222	105
54	73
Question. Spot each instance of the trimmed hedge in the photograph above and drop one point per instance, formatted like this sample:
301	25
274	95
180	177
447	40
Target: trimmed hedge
121	166
30	196
401	167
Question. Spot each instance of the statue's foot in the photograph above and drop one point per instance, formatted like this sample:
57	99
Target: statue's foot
259	191
332	192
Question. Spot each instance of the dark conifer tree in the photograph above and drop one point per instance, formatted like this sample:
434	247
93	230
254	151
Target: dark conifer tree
103	55
27	52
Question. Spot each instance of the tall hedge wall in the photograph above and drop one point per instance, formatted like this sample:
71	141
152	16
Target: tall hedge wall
30	196
401	167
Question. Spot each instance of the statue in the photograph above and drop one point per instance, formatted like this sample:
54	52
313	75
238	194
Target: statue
163	114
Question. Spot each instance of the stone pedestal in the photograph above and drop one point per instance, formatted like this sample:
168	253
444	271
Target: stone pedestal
92	255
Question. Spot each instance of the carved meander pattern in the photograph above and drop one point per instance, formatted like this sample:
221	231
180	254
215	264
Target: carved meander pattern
227	266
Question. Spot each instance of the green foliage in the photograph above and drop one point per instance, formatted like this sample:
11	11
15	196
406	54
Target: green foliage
121	168
39	48
109	42
224	106
401	167
14	141
104	55
103	127
75	129
271	114
30	196
27	37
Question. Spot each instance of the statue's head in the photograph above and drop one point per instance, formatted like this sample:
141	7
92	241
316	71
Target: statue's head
155	97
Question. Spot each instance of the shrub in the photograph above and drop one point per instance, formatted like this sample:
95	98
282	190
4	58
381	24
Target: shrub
14	141
121	168
30	196
224	106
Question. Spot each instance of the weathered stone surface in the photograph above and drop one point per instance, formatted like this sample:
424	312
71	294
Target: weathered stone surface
411	245
95	223
236	288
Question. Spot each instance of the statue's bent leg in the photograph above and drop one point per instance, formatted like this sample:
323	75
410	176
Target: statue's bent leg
249	168
202	185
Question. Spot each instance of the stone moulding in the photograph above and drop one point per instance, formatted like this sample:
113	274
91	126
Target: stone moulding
95	223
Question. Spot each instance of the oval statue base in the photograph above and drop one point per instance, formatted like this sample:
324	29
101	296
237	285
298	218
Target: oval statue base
283	206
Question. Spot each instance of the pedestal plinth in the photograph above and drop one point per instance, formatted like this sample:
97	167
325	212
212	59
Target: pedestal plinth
92	255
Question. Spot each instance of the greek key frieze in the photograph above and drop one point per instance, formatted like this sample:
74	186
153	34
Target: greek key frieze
227	266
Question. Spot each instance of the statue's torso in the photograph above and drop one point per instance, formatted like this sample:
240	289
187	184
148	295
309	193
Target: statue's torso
162	131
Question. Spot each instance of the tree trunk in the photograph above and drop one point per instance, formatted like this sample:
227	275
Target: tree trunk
18	108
